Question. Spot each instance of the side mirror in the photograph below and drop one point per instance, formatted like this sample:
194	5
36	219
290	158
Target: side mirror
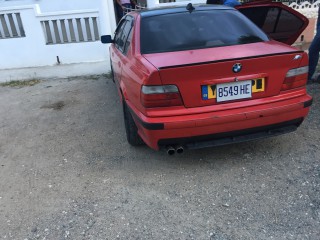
106	39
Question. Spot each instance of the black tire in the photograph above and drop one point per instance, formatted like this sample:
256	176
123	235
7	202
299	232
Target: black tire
133	137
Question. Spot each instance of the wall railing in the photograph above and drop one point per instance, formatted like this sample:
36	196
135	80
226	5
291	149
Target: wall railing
11	26
71	30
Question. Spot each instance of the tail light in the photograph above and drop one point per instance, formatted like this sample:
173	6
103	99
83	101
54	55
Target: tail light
295	78
160	96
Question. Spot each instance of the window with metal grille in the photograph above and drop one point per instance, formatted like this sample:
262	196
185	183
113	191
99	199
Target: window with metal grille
71	30
11	26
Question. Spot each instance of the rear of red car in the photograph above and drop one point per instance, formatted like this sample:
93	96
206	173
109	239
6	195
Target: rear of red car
215	78
208	100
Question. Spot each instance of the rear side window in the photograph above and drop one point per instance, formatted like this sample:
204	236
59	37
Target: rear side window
123	35
118	34
196	30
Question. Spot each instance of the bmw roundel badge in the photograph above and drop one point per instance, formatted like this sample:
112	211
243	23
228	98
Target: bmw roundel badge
237	67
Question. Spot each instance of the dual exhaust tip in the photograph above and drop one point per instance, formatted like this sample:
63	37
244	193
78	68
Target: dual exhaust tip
172	150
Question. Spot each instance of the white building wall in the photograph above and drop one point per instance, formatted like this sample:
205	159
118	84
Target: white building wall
54	5
32	50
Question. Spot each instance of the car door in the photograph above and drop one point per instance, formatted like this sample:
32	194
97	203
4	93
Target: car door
127	81
114	51
277	20
119	47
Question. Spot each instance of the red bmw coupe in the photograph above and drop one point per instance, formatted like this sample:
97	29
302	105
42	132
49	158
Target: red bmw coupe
199	76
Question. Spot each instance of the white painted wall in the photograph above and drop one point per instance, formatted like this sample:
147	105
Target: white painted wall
55	5
32	51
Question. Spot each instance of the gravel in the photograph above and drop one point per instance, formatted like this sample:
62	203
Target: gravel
67	172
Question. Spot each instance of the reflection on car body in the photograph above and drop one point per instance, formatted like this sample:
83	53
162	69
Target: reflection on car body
211	76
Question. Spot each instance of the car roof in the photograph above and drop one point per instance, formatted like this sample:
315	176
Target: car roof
180	8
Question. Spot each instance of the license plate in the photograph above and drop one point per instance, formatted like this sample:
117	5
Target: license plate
234	91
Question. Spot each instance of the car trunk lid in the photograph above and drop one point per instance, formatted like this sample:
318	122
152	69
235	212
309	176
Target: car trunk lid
193	71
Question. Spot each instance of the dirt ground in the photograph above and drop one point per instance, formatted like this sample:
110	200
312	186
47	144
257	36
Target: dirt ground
67	172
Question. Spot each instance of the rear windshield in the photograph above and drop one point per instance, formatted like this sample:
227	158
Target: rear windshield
196	30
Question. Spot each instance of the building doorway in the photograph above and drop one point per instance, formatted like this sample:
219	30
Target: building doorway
120	11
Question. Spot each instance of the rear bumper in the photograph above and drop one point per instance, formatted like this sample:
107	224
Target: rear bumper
224	127
235	136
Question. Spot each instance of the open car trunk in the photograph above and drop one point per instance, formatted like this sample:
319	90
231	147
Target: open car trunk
277	20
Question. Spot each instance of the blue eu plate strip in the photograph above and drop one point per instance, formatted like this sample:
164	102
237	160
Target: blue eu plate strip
204	92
